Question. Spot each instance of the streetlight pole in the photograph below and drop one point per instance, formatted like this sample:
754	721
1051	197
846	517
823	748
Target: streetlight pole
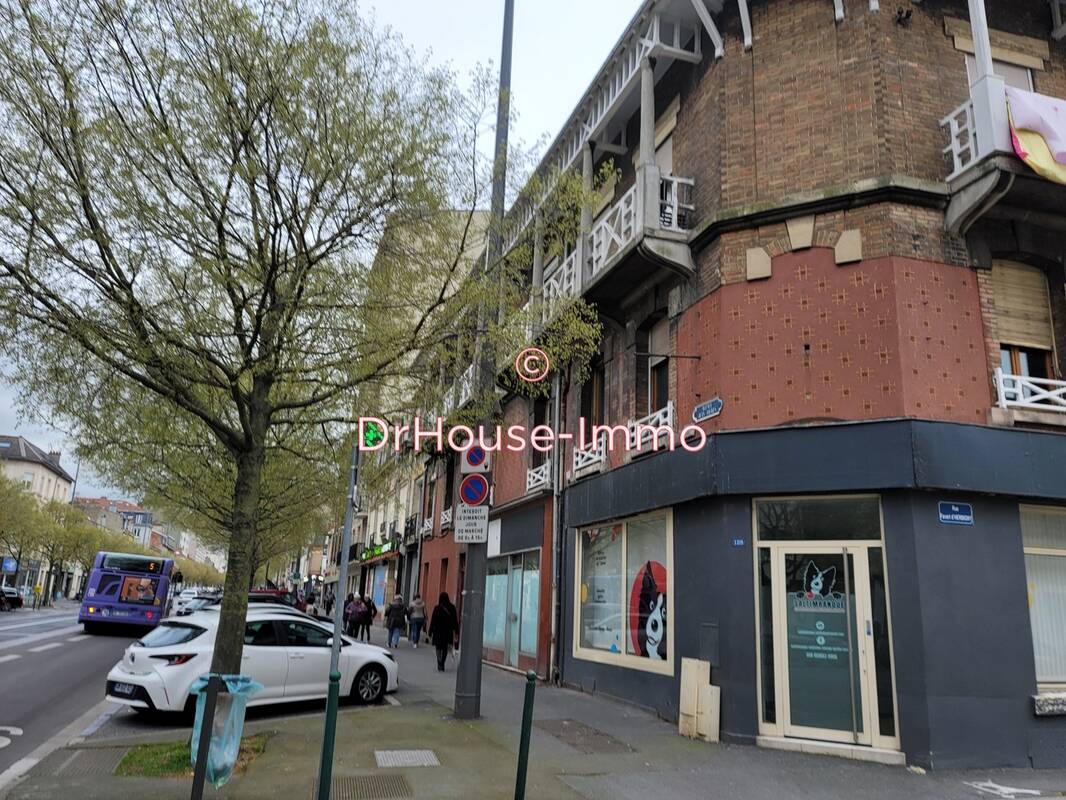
325	771
468	677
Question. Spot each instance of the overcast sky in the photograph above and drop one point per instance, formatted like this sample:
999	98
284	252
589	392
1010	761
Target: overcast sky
558	46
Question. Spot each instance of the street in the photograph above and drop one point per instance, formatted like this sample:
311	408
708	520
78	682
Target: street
51	673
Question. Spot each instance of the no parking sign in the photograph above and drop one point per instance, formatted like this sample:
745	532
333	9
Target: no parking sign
475	460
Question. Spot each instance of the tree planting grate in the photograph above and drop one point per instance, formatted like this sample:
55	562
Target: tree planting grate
406	758
87	761
367	787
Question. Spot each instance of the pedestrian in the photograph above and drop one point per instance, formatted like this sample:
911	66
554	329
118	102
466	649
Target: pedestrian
416	618
366	617
443	627
349	615
396	620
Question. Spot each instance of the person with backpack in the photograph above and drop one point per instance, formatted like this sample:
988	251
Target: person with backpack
416	618
396	620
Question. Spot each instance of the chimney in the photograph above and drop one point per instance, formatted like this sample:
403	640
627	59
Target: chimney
54	455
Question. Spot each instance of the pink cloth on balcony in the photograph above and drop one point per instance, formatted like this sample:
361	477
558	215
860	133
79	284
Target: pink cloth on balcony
1042	115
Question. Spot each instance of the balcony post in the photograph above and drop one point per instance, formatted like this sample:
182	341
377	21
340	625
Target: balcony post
988	91
982	45
538	254
647	111
584	251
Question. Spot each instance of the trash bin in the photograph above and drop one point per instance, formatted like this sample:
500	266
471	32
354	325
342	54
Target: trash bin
227	726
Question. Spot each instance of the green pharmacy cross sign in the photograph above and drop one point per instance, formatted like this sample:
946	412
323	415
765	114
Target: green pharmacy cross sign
372	435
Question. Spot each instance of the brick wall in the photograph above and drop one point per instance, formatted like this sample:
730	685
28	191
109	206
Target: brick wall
509	468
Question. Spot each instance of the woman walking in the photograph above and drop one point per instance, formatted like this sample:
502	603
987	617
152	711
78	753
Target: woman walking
367	617
350	611
416	618
443	626
396	620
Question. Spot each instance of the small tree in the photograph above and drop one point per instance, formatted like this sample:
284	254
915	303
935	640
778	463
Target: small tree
189	194
20	521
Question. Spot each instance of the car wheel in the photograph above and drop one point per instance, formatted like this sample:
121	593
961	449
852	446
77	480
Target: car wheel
369	685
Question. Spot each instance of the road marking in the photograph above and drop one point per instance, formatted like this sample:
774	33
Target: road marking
11	731
13	643
99	722
44	647
994	789
11	657
80	638
392	701
61	739
38	621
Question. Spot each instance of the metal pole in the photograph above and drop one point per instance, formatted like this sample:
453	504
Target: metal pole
523	746
203	747
325	771
468	676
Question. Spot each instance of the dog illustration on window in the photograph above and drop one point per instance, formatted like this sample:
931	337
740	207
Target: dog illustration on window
818	582
651	616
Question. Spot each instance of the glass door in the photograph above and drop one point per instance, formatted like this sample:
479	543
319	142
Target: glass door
514	611
832	654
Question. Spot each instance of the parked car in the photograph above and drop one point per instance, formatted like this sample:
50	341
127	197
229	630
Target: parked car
14	599
287	652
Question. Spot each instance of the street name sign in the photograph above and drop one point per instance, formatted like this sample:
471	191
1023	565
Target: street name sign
955	513
471	524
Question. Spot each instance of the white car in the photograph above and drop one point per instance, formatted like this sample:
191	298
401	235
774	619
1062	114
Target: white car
184	599
288	653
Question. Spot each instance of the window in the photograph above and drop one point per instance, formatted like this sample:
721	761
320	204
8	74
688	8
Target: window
139	590
538	417
659	366
827	518
27	478
449	485
1044	540
1012	74
1023	317
260	634
300	634
622	586
169	634
592	397
496	602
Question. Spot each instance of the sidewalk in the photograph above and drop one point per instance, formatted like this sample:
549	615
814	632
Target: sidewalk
582	747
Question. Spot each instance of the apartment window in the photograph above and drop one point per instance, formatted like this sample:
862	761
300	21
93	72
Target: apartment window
27	478
659	366
1012	74
623	586
1044	540
1023	315
449	485
538	413
593	402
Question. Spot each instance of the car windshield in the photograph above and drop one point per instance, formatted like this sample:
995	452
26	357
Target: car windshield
170	633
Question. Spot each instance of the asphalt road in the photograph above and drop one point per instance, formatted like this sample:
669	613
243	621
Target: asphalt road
50	674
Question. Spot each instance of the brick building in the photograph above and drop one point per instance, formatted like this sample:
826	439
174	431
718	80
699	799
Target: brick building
829	247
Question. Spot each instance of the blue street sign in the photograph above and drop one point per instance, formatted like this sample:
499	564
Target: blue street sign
474	490
708	410
738	542
955	513
10	565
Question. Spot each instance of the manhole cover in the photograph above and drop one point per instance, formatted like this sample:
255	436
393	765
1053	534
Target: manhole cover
582	737
87	761
367	787
406	758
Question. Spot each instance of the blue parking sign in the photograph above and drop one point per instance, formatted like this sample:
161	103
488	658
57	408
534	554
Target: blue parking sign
11	566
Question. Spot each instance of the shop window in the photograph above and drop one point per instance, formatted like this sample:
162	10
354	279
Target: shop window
623	590
826	518
530	602
496	571
1044	540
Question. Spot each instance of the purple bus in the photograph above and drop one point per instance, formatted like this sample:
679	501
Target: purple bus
126	589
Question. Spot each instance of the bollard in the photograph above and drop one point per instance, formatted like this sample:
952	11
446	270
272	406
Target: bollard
523	746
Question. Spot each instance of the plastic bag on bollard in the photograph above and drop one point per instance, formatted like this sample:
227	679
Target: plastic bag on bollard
228	724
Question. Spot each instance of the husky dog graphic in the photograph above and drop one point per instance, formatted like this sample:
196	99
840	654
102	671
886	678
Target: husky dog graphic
651	627
818	582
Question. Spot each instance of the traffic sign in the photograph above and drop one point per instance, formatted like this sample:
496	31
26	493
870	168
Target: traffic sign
471	524
474	490
475	460
10	565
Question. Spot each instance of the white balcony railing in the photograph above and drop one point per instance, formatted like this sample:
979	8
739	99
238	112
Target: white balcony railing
1035	394
597	454
427	526
676	210
466	385
962	138
615	230
538	477
660	420
446	518
560	284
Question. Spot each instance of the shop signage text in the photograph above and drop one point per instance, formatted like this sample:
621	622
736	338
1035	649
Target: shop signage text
956	513
378	550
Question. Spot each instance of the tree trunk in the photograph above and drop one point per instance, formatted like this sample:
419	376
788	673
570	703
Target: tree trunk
229	641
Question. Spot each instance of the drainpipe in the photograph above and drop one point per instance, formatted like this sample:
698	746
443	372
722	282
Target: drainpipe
556	534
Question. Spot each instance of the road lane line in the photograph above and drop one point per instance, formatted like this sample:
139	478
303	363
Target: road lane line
80	638
44	647
61	739
11	657
37	637
40	621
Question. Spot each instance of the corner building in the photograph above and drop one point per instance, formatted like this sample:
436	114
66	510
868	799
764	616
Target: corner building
835	240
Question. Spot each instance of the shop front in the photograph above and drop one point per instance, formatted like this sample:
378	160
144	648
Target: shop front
381	566
906	608
517	630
